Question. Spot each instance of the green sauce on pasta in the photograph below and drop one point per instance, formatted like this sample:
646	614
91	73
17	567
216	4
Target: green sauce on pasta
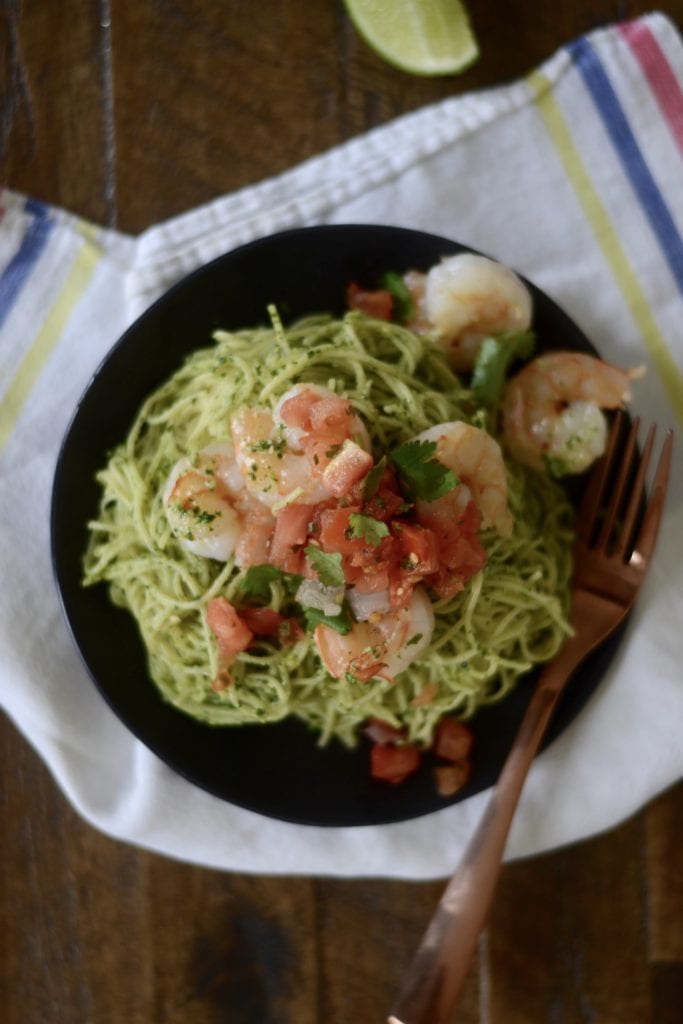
509	617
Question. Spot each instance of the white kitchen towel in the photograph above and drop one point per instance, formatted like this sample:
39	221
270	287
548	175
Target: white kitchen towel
574	176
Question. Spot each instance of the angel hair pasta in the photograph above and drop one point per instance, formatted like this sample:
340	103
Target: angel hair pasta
341	566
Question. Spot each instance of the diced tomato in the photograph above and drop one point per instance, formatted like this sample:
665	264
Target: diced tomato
346	468
253	545
378	304
316	512
419	548
365	565
336	535
231	632
461	553
400	588
371	579
453	740
291	524
332	414
457	532
387	502
354	496
289	537
392	763
382	732
467	556
321	447
290	632
470	521
451	777
327	423
262	621
296	411
268	622
373	558
446	583
334	530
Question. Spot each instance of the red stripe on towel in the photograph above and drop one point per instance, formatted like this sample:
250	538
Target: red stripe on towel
659	74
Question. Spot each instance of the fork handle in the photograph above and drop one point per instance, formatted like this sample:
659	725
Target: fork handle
437	974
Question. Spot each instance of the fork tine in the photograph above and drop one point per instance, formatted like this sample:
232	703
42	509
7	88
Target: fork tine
591	503
635	499
619	486
647	536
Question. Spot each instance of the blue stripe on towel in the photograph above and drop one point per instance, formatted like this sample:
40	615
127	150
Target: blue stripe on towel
628	151
19	267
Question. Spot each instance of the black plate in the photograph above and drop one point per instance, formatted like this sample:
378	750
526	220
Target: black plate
277	770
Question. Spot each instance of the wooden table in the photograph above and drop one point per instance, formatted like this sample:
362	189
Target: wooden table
128	113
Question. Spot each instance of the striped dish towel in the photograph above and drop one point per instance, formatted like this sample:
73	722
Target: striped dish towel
574	176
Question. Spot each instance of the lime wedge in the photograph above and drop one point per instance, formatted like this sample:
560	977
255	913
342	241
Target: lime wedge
423	37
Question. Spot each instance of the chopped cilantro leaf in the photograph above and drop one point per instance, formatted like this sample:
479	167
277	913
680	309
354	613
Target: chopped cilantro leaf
255	584
327	566
415	639
203	517
493	361
341	623
368	529
374	479
404	307
278	446
424	476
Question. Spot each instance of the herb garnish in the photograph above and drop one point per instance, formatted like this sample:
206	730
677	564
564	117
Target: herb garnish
255	583
327	566
424	476
374	479
373	531
341	623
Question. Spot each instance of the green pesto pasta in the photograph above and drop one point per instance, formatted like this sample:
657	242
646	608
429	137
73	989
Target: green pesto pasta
509	617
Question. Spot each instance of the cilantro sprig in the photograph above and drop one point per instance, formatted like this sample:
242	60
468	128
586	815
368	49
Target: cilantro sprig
255	585
341	623
327	565
372	531
374	479
423	475
255	588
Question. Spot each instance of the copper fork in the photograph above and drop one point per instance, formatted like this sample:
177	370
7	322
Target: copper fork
616	536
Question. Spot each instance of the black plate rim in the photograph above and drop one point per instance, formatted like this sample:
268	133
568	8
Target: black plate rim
179	289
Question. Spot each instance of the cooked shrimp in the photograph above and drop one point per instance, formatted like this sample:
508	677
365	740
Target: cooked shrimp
366	605
306	451
477	462
212	513
381	647
464	299
551	410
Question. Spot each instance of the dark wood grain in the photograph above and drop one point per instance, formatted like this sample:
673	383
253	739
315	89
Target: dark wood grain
132	112
54	83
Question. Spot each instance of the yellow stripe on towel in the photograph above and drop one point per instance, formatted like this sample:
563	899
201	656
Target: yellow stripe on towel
82	268
608	240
